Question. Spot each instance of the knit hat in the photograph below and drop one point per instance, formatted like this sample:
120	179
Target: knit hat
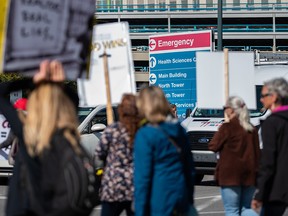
20	104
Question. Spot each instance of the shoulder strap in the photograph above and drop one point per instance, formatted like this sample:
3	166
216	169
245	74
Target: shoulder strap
182	159
171	140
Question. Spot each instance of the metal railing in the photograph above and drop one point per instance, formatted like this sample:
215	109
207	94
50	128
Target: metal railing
108	8
226	28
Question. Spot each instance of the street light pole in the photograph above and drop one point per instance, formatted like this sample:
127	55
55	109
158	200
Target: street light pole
274	30
219	26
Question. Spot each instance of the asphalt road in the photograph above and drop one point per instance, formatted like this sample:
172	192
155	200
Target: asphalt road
207	199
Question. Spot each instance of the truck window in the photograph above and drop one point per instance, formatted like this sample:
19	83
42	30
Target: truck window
219	113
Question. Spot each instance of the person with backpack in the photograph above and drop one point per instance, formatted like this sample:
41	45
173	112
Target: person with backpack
116	149
271	196
44	180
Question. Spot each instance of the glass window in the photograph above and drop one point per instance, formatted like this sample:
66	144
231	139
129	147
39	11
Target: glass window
236	3
83	112
130	5
184	3
209	3
162	5
100	118
250	2
173	4
264	1
196	3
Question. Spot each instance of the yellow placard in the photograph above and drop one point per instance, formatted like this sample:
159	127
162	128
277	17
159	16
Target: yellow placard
4	11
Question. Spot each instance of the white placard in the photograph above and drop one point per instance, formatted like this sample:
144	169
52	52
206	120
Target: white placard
4	131
113	38
210	78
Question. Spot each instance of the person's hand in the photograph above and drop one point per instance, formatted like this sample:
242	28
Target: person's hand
50	71
57	73
256	205
42	74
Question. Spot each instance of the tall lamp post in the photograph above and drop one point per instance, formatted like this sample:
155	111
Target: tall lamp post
219	26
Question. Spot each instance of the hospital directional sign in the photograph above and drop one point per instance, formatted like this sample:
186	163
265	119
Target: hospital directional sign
172	64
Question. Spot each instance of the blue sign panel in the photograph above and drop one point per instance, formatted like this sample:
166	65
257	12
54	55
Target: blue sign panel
172	64
175	74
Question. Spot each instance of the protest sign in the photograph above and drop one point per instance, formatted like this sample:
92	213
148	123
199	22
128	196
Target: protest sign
47	29
4	8
211	84
113	40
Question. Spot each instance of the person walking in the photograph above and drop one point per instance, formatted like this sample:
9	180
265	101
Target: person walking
49	127
116	150
174	110
272	187
238	146
12	140
164	170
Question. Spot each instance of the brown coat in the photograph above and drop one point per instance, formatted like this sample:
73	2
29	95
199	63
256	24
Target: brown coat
239	154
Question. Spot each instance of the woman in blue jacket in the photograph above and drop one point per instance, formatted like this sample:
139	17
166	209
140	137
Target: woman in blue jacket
164	170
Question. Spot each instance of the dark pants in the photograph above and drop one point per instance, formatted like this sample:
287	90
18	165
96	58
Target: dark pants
115	208
273	208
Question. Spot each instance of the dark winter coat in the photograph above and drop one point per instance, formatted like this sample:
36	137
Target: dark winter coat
239	154
273	177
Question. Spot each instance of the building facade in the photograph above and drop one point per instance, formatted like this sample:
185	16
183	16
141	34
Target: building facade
248	25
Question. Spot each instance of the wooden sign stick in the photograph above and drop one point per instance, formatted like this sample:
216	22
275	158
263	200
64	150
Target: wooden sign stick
226	74
109	109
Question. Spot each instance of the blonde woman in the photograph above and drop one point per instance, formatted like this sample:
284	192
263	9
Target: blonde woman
164	170
51	125
238	146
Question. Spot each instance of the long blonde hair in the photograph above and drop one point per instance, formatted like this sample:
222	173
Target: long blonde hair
153	105
49	109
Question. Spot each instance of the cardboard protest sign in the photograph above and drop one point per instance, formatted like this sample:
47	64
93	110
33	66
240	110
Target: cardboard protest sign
4	8
47	29
111	39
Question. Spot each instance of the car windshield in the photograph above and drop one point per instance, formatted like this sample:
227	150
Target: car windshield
83	112
219	113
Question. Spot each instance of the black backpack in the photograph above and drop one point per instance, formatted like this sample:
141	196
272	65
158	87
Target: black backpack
76	192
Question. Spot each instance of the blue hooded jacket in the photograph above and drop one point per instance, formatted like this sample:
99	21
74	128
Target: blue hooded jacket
160	186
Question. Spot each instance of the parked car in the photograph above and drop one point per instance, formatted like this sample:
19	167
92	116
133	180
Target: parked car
92	121
93	124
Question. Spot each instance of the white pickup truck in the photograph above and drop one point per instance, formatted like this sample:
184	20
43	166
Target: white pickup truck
203	123
201	126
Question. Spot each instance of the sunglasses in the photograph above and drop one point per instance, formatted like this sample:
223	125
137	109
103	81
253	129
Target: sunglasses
265	95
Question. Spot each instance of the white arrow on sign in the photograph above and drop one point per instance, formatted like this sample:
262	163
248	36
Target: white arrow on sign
152	78
152	62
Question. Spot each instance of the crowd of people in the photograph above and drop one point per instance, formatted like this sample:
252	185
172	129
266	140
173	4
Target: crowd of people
148	164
